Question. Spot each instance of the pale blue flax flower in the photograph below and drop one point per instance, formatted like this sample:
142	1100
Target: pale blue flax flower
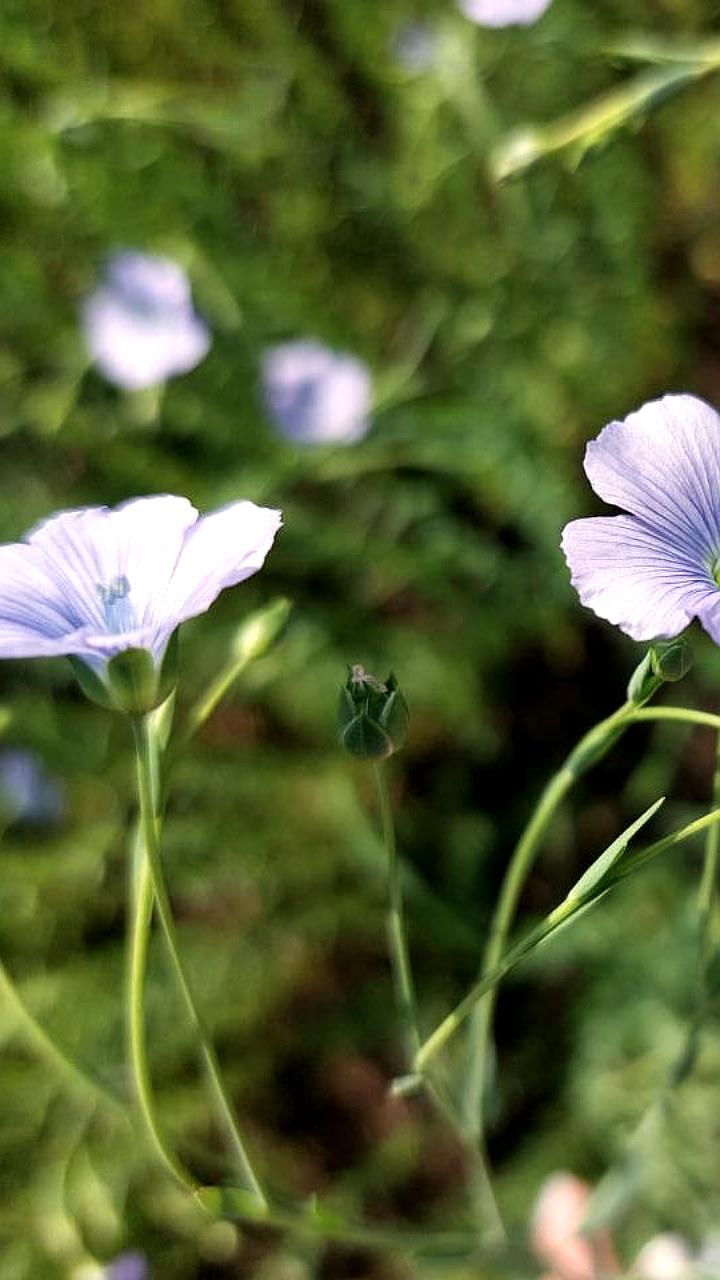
95	582
650	572
503	13
140	326
29	795
416	47
128	1266
315	395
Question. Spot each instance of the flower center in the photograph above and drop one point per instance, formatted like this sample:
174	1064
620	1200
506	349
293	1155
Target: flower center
715	570
116	605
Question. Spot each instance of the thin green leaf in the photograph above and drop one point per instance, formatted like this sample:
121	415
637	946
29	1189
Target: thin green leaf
600	868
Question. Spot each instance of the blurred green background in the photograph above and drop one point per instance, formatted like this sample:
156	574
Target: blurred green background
313	185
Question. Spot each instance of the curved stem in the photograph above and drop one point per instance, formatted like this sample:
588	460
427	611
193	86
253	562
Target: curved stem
147	776
569	907
501	922
684	1062
590	748
405	990
142	909
707	894
684	715
49	1048
223	1202
397	933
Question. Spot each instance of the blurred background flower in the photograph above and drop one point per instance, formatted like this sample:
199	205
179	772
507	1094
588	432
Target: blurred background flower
128	1266
29	794
557	1236
416	47
139	323
315	395
666	1257
503	13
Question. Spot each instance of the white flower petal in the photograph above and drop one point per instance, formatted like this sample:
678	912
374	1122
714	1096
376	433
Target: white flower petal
662	464
222	549
88	550
35	614
503	13
633	578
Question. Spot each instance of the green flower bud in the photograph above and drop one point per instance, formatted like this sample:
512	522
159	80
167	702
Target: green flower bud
644	682
671	659
665	662
372	715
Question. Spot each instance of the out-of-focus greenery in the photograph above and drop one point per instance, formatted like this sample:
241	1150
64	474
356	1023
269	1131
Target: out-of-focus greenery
313	186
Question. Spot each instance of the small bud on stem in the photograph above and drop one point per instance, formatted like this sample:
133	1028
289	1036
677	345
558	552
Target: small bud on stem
372	715
665	662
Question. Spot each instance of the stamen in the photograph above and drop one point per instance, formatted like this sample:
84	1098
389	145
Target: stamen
116	604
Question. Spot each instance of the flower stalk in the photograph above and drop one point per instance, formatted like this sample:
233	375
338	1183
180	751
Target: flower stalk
707	895
41	1040
141	919
572	905
397	932
481	1187
591	748
151	874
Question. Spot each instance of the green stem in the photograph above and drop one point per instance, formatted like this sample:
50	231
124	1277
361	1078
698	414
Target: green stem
481	1188
592	123
256	635
223	1202
590	748
707	894
407	1004
147	777
485	984
210	699
683	1064
397	933
570	906
683	714
43	1042
142	909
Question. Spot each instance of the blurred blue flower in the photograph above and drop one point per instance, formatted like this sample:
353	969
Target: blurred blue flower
315	395
28	794
140	326
128	1266
94	582
652	571
503	13
416	47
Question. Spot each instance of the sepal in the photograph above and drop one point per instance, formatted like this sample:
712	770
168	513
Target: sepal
132	682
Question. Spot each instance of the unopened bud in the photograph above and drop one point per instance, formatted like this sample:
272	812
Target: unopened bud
672	659
372	715
665	662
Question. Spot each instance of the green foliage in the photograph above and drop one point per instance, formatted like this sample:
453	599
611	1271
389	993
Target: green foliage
313	186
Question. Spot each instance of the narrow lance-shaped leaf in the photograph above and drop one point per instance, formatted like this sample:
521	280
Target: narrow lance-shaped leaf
591	886
600	868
